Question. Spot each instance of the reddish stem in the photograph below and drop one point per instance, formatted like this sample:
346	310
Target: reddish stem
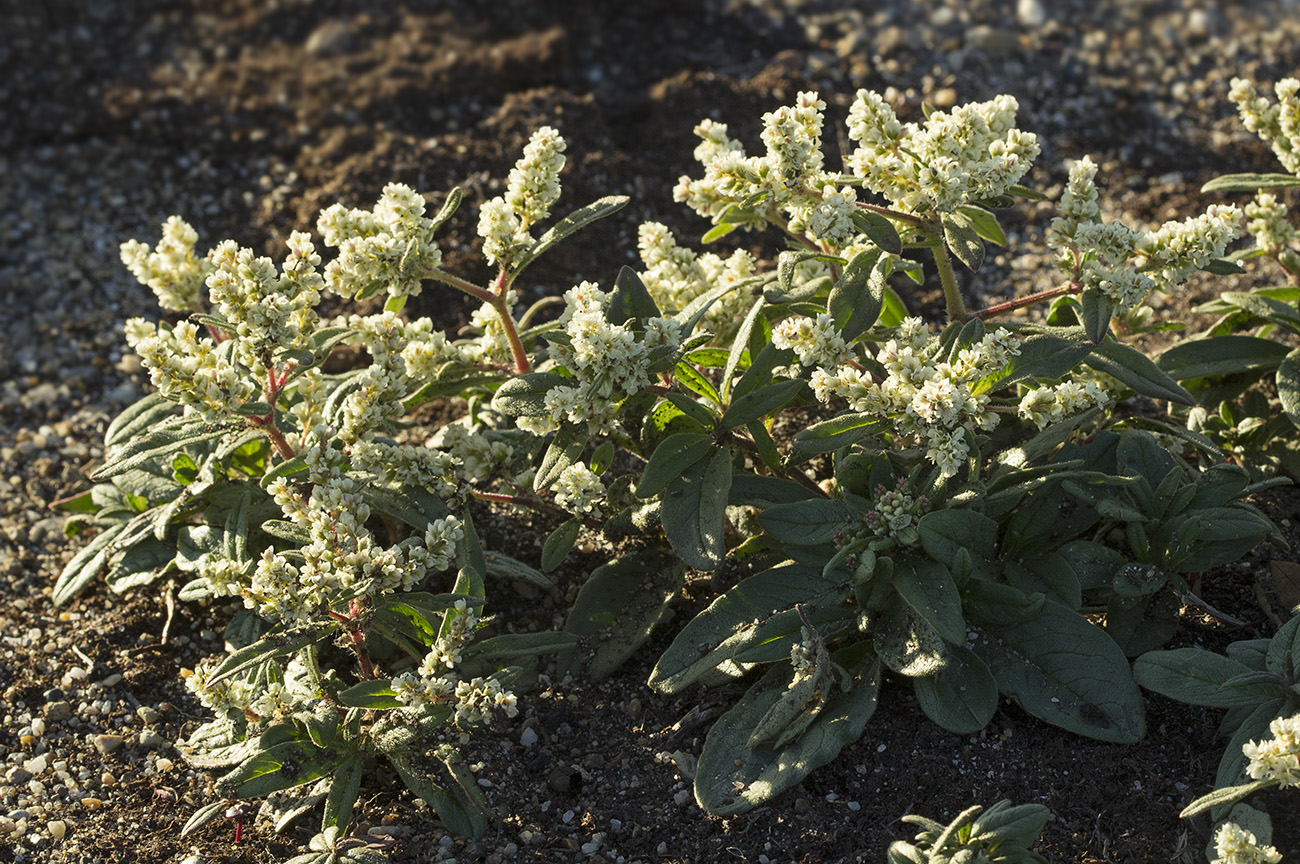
1028	300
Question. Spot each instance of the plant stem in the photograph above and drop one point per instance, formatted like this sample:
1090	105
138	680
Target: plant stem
498	302
951	293
1028	300
893	214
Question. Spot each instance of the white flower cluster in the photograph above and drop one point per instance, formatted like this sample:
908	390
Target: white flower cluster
434	684
172	270
1277	758
391	245
607	361
193	371
233	693
1277	125
342	554
926	398
789	178
479	458
1045	405
817	342
375	398
675	275
427	351
532	188
1235	845
1268	223
1124	263
579	490
970	153
270	312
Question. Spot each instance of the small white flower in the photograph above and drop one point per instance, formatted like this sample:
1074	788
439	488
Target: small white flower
1235	845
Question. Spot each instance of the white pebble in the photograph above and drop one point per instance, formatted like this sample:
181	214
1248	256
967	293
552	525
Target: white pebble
57	829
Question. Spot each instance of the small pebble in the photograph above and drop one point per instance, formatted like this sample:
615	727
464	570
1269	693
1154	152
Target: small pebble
57	829
147	714
107	743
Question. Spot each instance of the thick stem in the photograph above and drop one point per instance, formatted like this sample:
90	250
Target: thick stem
951	293
461	285
1028	300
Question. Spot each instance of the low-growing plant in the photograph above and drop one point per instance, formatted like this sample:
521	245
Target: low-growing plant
954	505
1002	834
1255	334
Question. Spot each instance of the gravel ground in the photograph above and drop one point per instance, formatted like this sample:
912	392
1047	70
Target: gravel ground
247	117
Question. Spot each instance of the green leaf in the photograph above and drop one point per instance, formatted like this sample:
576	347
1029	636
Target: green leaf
810	523
730	624
144	414
343	793
1027	193
879	230
960	236
283	766
692	409
928	588
984	223
616	610
674	455
724	788
152	447
1221	355
525	396
564	450
140	564
690	378
944	532
85	565
510	645
275	644
827	435
578	219
462	815
694	510
370	694
204	815
1062	669
630	299
856	300
756	490
1223	267
1136	370
740	343
1224	797
718	232
1042	355
558	544
962	696
760	402
1097	310
505	567
1288	385
1250	182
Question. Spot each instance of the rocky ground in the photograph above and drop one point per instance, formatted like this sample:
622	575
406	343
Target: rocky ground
248	116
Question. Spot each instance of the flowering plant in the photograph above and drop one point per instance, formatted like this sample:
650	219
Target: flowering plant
929	500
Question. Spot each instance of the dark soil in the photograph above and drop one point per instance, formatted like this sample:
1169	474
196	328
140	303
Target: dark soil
297	105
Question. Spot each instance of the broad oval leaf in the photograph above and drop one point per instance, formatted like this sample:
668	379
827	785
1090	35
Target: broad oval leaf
1062	669
674	455
810	523
962	696
1221	355
723	787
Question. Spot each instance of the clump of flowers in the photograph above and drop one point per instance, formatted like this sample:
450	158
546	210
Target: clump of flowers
1235	845
1126	264
1276	124
971	153
1278	758
931	400
533	187
389	247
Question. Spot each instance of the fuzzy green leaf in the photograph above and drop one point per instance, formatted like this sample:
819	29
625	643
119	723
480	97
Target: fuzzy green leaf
575	221
1064	670
1136	370
962	696
1288	385
1221	355
558	544
86	565
724	788
617	608
810	523
674	455
1250	182
694	510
